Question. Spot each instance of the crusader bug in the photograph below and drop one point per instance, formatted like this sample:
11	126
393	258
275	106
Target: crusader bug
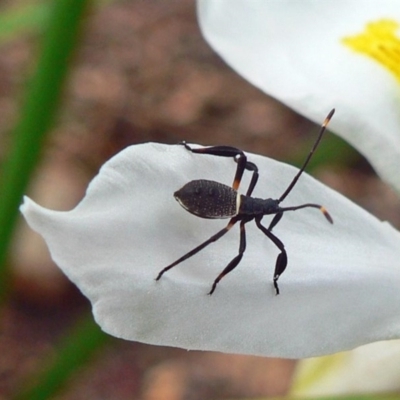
214	200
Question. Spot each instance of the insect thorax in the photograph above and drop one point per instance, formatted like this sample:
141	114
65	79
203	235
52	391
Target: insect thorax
253	206
208	199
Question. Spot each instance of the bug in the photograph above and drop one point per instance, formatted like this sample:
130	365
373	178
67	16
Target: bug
214	200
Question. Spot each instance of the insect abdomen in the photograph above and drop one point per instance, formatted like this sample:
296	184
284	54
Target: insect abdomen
208	199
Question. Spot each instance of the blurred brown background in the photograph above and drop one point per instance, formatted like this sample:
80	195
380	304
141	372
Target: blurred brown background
143	73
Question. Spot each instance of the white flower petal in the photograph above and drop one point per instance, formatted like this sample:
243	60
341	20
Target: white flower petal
340	290
373	368
295	52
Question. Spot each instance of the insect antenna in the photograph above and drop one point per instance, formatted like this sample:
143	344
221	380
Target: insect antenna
296	178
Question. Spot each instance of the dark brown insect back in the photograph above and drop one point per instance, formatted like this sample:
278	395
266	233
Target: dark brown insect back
208	199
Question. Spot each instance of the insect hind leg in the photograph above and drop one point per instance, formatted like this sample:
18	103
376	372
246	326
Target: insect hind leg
240	158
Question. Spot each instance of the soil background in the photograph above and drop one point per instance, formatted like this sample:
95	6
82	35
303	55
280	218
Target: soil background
144	73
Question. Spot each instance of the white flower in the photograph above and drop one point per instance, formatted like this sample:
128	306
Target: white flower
315	55
311	56
340	289
373	368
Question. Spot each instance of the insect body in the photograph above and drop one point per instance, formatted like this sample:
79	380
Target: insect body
210	199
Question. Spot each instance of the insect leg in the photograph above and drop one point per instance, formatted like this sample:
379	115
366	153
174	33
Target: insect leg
281	261
275	220
254	178
233	264
191	253
239	157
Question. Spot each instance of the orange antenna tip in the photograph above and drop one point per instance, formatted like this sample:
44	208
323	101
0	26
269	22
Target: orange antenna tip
326	214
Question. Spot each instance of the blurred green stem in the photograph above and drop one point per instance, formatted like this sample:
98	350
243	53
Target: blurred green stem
332	150
76	348
36	116
27	17
22	18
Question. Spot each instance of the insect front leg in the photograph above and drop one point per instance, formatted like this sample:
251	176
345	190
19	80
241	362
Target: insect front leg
281	261
275	220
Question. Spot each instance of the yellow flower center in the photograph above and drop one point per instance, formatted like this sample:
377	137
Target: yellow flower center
379	41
